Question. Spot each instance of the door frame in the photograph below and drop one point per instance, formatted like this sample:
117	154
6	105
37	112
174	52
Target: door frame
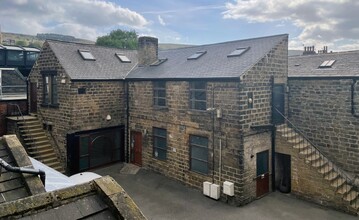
132	151
262	177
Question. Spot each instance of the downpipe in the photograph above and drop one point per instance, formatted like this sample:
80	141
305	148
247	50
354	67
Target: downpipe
10	168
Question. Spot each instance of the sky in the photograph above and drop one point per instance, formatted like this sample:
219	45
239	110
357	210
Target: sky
332	23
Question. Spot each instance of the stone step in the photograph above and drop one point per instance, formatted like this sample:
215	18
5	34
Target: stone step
31	131
296	140
43	151
36	138
28	121
48	160
338	182
345	188
301	145
282	126
331	176
29	127
351	196
313	157
325	169
40	147
42	155
290	134
319	163
307	151
34	134
37	142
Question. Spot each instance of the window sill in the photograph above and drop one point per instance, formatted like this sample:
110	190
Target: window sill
198	112
160	108
50	105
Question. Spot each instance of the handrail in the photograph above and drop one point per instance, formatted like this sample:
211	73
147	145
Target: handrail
10	168
26	127
331	165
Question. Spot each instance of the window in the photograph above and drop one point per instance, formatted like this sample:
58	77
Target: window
160	143
86	55
197	55
123	58
238	52
50	88
327	64
198	95
199	154
159	93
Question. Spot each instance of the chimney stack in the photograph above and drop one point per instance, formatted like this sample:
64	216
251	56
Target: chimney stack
309	50
147	50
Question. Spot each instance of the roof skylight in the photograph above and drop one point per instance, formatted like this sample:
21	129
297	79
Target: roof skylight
238	52
123	58
159	62
86	55
327	64
197	55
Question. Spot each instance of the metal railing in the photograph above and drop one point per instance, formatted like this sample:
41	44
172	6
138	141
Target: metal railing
29	135
338	178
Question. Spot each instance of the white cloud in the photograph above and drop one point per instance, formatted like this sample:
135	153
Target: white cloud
80	18
160	19
322	21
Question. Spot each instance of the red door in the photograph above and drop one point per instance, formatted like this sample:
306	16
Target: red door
136	148
33	97
262	173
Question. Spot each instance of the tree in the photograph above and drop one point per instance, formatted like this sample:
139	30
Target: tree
21	43
119	39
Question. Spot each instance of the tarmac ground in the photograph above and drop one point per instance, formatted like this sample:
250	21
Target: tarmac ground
162	198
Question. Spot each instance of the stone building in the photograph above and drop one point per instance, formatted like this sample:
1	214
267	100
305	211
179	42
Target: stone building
203	113
77	91
322	142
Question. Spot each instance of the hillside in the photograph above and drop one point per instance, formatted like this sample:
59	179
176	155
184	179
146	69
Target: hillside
37	41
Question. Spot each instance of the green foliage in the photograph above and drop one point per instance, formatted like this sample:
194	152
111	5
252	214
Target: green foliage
119	39
36	44
21	43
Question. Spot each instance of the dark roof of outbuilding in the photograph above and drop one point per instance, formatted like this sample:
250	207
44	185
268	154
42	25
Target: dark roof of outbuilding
106	66
213	64
346	65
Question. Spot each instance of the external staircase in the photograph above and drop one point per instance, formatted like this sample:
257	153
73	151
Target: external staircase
37	143
341	182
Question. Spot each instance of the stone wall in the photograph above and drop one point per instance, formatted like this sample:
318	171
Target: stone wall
322	109
82	105
180	123
306	182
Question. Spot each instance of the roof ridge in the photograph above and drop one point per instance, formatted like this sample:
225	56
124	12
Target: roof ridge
86	44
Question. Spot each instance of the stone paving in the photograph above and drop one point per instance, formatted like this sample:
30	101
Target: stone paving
162	198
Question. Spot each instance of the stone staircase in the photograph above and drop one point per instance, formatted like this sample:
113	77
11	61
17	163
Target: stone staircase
37	143
337	178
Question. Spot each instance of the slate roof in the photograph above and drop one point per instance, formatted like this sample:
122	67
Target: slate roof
346	65
12	186
213	64
106	66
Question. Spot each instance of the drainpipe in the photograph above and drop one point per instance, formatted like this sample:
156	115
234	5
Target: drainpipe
273	130
352	99
127	158
10	168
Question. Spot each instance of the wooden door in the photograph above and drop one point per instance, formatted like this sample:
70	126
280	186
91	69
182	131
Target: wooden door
278	104
33	97
136	148
262	178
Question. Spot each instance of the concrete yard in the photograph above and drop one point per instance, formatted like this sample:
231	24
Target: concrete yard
162	198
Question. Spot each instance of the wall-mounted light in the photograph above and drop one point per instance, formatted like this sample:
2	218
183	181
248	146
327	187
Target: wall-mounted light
108	117
250	100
